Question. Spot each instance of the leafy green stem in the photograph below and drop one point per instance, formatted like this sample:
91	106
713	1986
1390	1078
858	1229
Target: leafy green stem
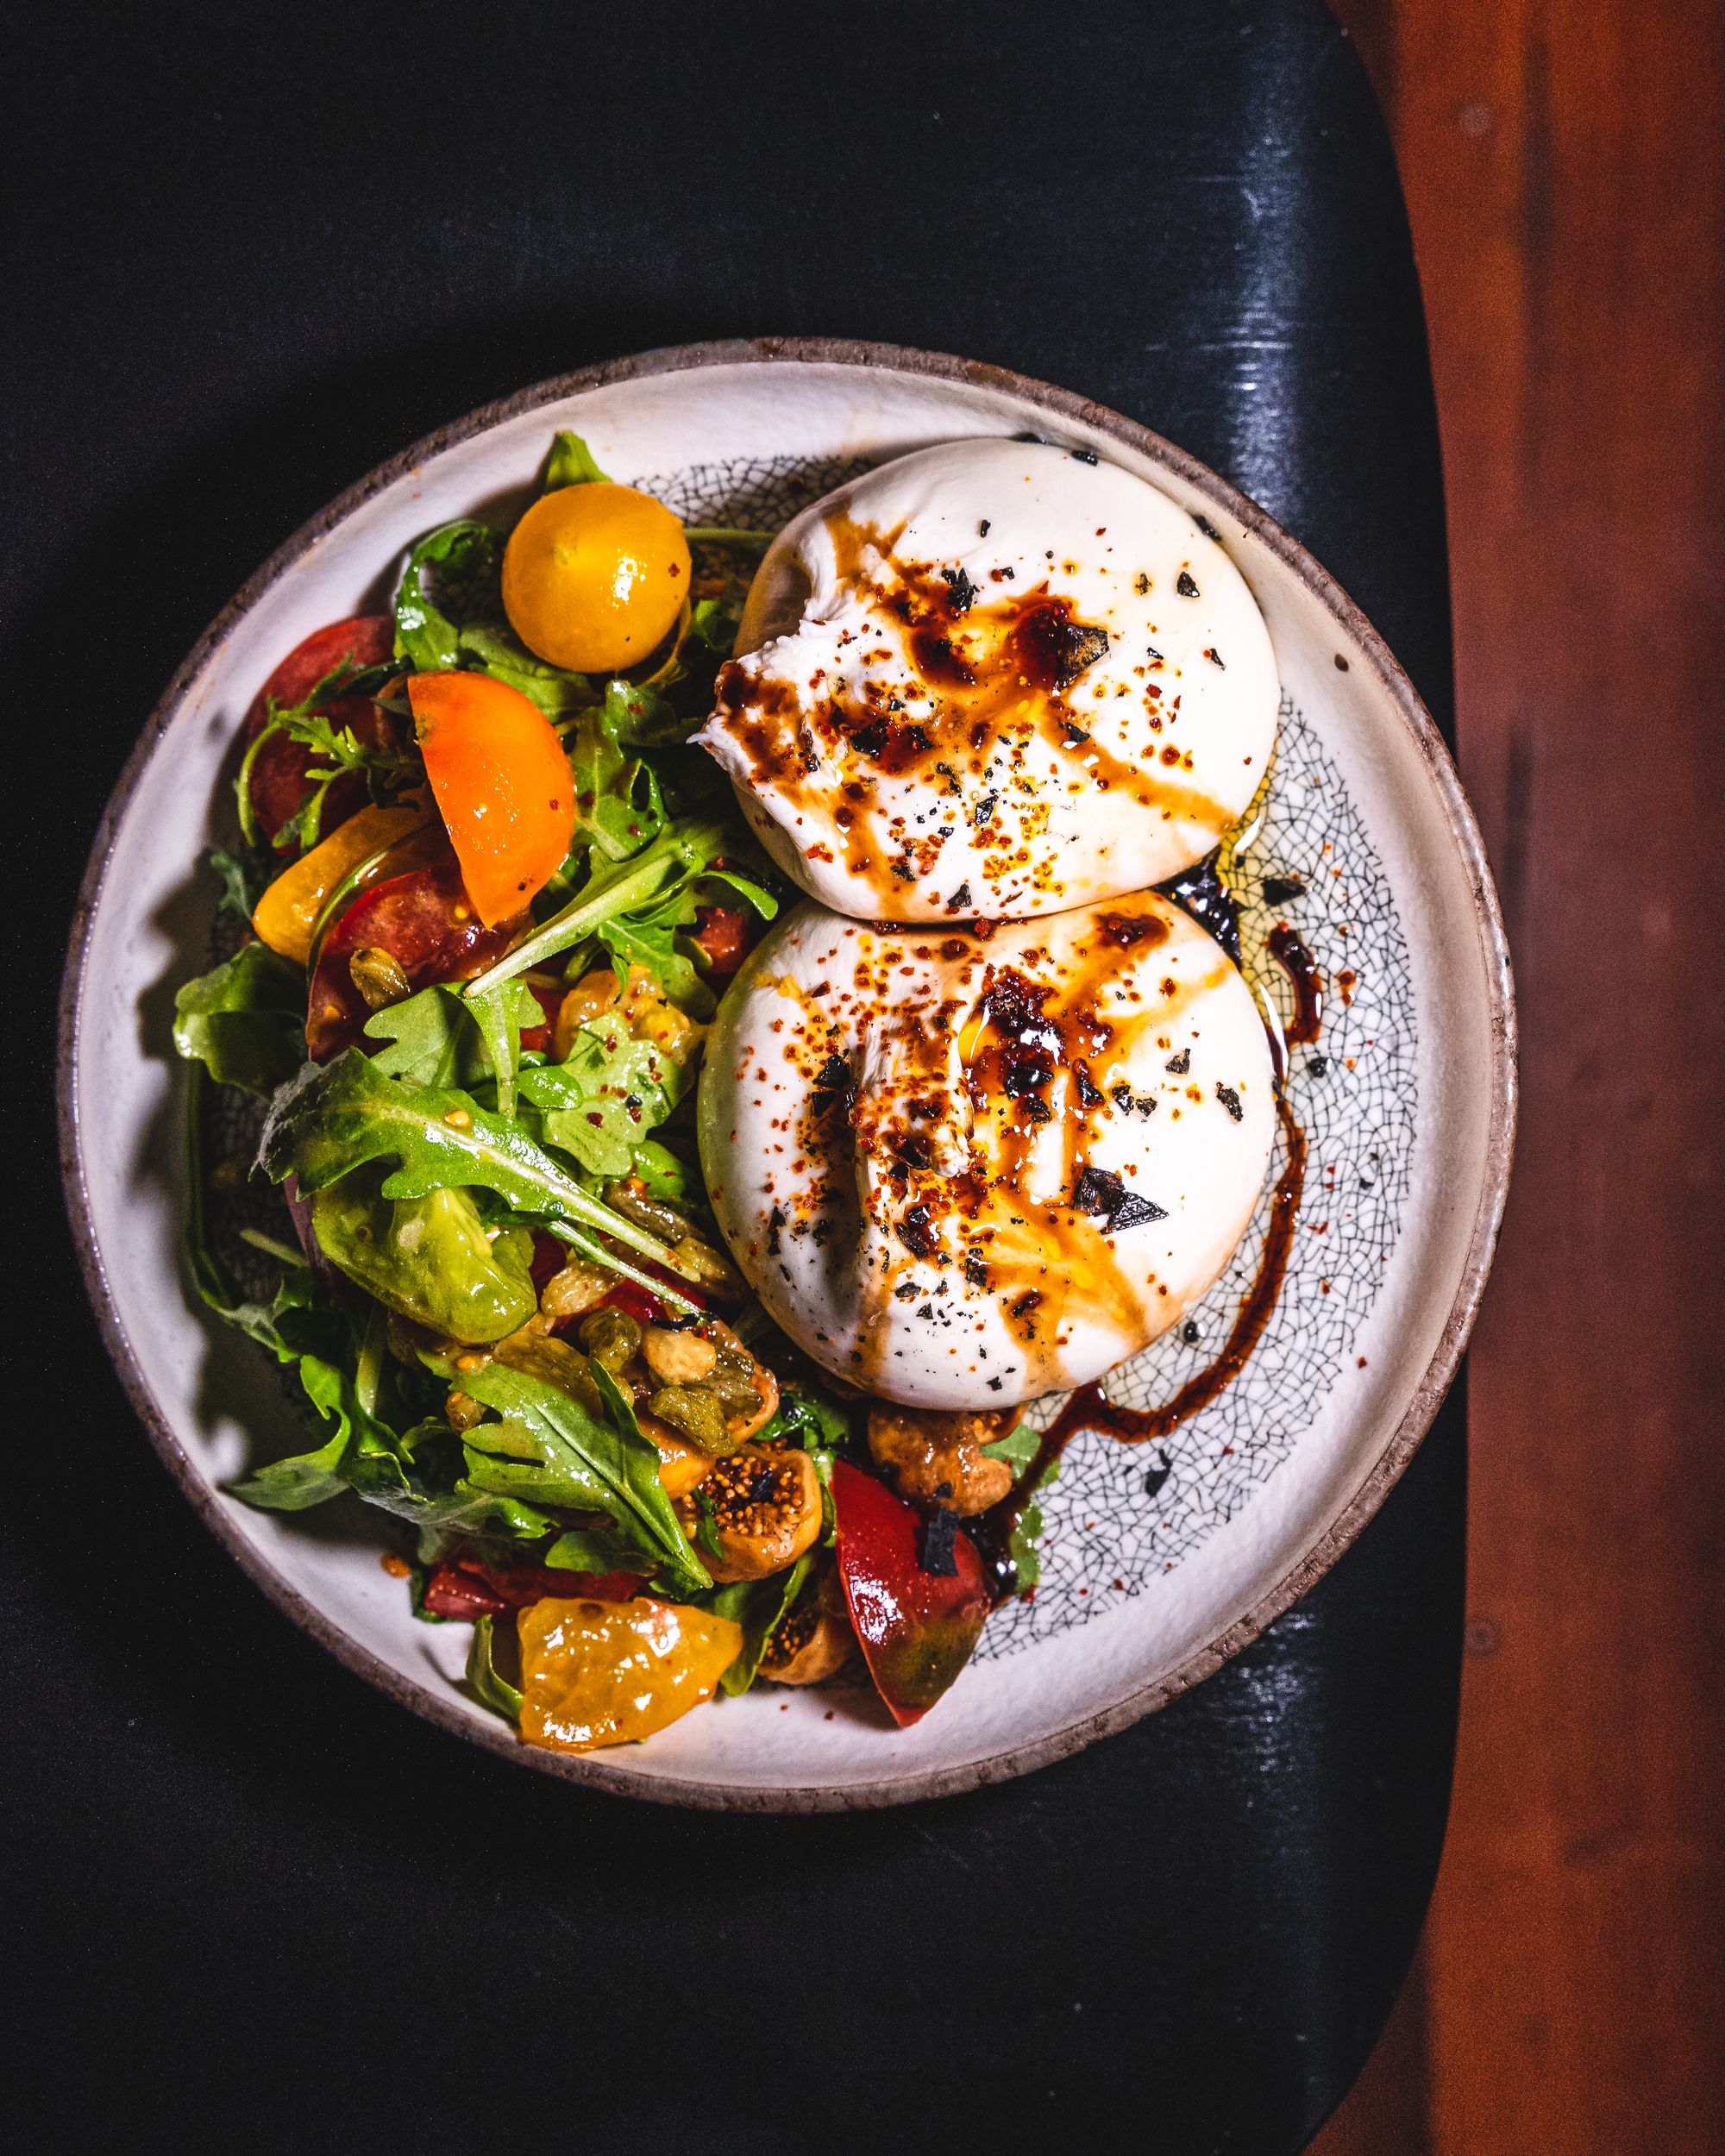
735	534
616	894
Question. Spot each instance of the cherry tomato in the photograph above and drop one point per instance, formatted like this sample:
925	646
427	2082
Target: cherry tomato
288	911
548	995
597	1672
502	783
639	1303
428	924
722	932
465	1588
594	576
918	1629
279	779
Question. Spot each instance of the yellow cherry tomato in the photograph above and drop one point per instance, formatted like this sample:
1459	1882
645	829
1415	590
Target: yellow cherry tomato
593	576
288	909
604	1673
501	782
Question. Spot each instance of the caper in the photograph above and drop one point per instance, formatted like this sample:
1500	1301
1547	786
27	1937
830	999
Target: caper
378	977
695	1412
611	1337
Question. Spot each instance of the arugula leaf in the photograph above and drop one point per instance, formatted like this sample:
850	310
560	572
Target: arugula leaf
570	463
647	888
430	1038
312	1478
592	1550
715	623
760	1606
665	1174
559	1445
467	558
617	808
335	1118
611	1088
498	651
245	1020
816	1420
1018	1449
489	1689
242	881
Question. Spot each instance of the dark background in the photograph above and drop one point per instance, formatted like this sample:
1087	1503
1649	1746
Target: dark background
248	254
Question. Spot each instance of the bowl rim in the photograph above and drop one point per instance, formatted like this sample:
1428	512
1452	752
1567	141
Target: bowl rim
602	1769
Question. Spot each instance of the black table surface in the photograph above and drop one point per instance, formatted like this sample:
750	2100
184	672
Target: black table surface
251	251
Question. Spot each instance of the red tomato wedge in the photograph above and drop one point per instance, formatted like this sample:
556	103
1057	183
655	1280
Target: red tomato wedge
723	933
918	1629
464	1587
426	922
280	778
502	783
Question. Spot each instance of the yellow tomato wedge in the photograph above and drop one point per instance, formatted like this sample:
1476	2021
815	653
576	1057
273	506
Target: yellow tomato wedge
287	911
503	786
594	576
604	1673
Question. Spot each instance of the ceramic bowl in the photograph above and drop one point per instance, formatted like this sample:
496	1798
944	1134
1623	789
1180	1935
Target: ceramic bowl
1161	1561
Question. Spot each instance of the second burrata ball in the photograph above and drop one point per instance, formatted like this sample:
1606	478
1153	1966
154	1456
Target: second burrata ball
963	1170
993	678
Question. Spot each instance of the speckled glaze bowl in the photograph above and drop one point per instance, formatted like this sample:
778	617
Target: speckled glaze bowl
1160	1560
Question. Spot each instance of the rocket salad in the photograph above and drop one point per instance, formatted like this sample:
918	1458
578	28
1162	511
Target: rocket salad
491	898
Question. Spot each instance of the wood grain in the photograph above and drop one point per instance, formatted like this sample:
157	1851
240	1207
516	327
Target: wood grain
1564	162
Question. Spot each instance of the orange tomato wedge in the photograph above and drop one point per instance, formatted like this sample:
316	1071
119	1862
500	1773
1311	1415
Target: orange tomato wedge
596	1673
288	910
502	782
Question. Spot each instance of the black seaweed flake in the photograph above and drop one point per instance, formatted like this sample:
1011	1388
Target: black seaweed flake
1316	1066
833	1076
1089	1096
982	528
776	1220
906	1291
1151	652
1083	456
1181	1063
1037	1111
1156	1476
1184	586
904	871
1208	529
916	1231
962	590
960	900
1231	1100
1079	645
984	809
1282	890
926	1311
1215	657
940	1551
976	1271
1098	1190
1027	435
